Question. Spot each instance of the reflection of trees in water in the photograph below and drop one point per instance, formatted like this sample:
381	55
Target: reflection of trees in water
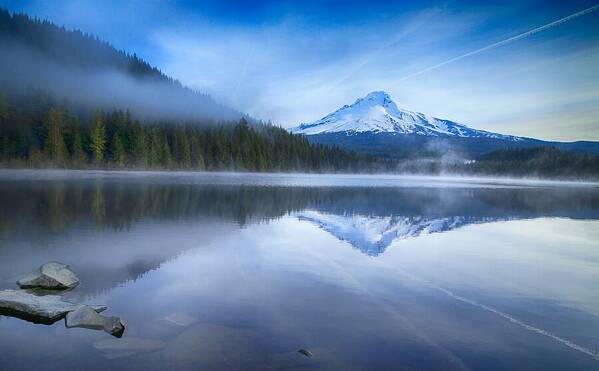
54	206
98	204
465	202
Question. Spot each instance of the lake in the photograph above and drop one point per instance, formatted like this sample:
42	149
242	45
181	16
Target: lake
240	271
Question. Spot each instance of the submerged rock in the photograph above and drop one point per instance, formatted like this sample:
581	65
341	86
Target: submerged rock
52	276
48	308
215	347
319	359
125	347
306	353
181	319
130	344
87	317
292	360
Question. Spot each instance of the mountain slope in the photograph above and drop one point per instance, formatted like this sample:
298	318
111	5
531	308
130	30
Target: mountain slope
378	113
40	58
375	125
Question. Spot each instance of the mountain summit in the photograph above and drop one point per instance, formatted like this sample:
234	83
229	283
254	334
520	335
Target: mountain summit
377	113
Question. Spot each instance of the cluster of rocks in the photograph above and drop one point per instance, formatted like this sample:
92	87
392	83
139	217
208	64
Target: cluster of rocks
35	303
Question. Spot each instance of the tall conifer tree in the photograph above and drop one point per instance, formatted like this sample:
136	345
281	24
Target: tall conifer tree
98	138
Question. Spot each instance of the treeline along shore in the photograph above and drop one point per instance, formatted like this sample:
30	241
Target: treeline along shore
36	134
56	137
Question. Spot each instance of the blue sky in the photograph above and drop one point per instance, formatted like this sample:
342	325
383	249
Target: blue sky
295	61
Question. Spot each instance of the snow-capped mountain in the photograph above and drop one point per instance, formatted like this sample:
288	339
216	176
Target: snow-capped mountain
372	235
377	113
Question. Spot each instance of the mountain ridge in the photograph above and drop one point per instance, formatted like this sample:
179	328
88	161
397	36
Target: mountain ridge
375	125
378	113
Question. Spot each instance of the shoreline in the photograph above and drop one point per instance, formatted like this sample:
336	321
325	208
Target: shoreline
292	178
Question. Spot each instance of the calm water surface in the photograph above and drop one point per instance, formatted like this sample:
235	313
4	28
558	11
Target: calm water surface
239	271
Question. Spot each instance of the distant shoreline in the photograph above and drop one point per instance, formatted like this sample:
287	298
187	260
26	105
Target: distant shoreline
296	178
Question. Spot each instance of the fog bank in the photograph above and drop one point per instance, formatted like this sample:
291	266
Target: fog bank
26	70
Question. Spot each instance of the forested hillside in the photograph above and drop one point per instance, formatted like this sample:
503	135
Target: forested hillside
39	57
58	138
537	162
68	99
544	162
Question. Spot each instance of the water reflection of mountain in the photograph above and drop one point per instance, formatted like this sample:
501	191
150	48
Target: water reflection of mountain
373	235
83	221
371	220
34	208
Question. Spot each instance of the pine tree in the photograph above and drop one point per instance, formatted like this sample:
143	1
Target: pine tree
117	150
183	151
98	138
54	145
196	150
140	146
155	147
166	157
77	153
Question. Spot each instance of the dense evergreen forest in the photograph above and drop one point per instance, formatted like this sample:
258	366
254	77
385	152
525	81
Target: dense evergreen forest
543	162
536	162
70	100
58	138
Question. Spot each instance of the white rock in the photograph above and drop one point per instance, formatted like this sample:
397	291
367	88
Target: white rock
47	307
52	275
87	317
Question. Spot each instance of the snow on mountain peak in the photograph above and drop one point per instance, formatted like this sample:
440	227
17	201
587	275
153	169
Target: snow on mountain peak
372	235
380	97
377	113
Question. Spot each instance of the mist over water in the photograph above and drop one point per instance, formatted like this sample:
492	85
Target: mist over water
241	270
373	238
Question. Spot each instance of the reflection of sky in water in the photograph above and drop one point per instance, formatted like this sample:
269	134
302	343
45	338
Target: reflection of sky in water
251	293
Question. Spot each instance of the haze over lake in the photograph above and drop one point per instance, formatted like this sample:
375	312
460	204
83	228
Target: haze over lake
240	271
299	185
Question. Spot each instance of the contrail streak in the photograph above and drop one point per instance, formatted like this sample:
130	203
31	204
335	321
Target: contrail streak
570	344
504	42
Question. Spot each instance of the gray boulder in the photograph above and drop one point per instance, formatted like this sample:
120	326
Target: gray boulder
43	308
87	317
52	276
